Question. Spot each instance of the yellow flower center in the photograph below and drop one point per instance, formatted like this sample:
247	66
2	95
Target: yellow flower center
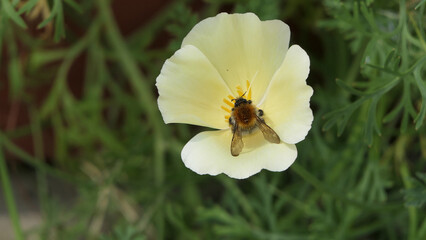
228	100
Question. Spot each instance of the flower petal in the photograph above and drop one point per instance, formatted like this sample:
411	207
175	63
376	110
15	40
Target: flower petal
191	90
286	102
241	48
209	153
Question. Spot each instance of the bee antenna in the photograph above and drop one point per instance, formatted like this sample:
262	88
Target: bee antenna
235	99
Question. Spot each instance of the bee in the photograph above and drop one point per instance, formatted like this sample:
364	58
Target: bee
244	119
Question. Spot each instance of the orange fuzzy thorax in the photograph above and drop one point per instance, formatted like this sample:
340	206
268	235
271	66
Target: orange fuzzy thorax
245	116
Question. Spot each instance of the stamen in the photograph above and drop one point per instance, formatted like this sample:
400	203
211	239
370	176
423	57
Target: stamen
240	91
228	102
249	90
226	109
231	97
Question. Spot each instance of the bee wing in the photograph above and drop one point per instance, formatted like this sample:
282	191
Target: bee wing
267	131
237	142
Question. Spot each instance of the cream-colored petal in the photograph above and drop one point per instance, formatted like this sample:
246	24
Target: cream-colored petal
286	102
241	48
191	90
209	153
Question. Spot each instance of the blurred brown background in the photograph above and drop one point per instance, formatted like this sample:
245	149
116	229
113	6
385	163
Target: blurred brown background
130	16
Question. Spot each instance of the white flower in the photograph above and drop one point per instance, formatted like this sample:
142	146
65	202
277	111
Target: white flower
222	58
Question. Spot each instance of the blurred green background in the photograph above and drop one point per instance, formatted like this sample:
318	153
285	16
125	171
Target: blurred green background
84	153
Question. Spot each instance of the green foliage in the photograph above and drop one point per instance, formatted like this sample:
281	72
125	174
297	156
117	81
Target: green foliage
124	233
57	13
184	21
265	9
391	57
8	9
416	197
123	166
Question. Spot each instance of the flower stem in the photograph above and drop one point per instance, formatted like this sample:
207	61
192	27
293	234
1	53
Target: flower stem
8	195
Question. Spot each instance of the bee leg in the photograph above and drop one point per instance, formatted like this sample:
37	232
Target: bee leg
260	112
231	122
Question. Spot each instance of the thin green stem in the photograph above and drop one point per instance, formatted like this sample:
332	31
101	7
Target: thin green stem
400	156
60	85
128	64
417	30
422	230
242	200
8	194
143	92
412	214
40	173
37	163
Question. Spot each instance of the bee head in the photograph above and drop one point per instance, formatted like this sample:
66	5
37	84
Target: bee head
241	100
